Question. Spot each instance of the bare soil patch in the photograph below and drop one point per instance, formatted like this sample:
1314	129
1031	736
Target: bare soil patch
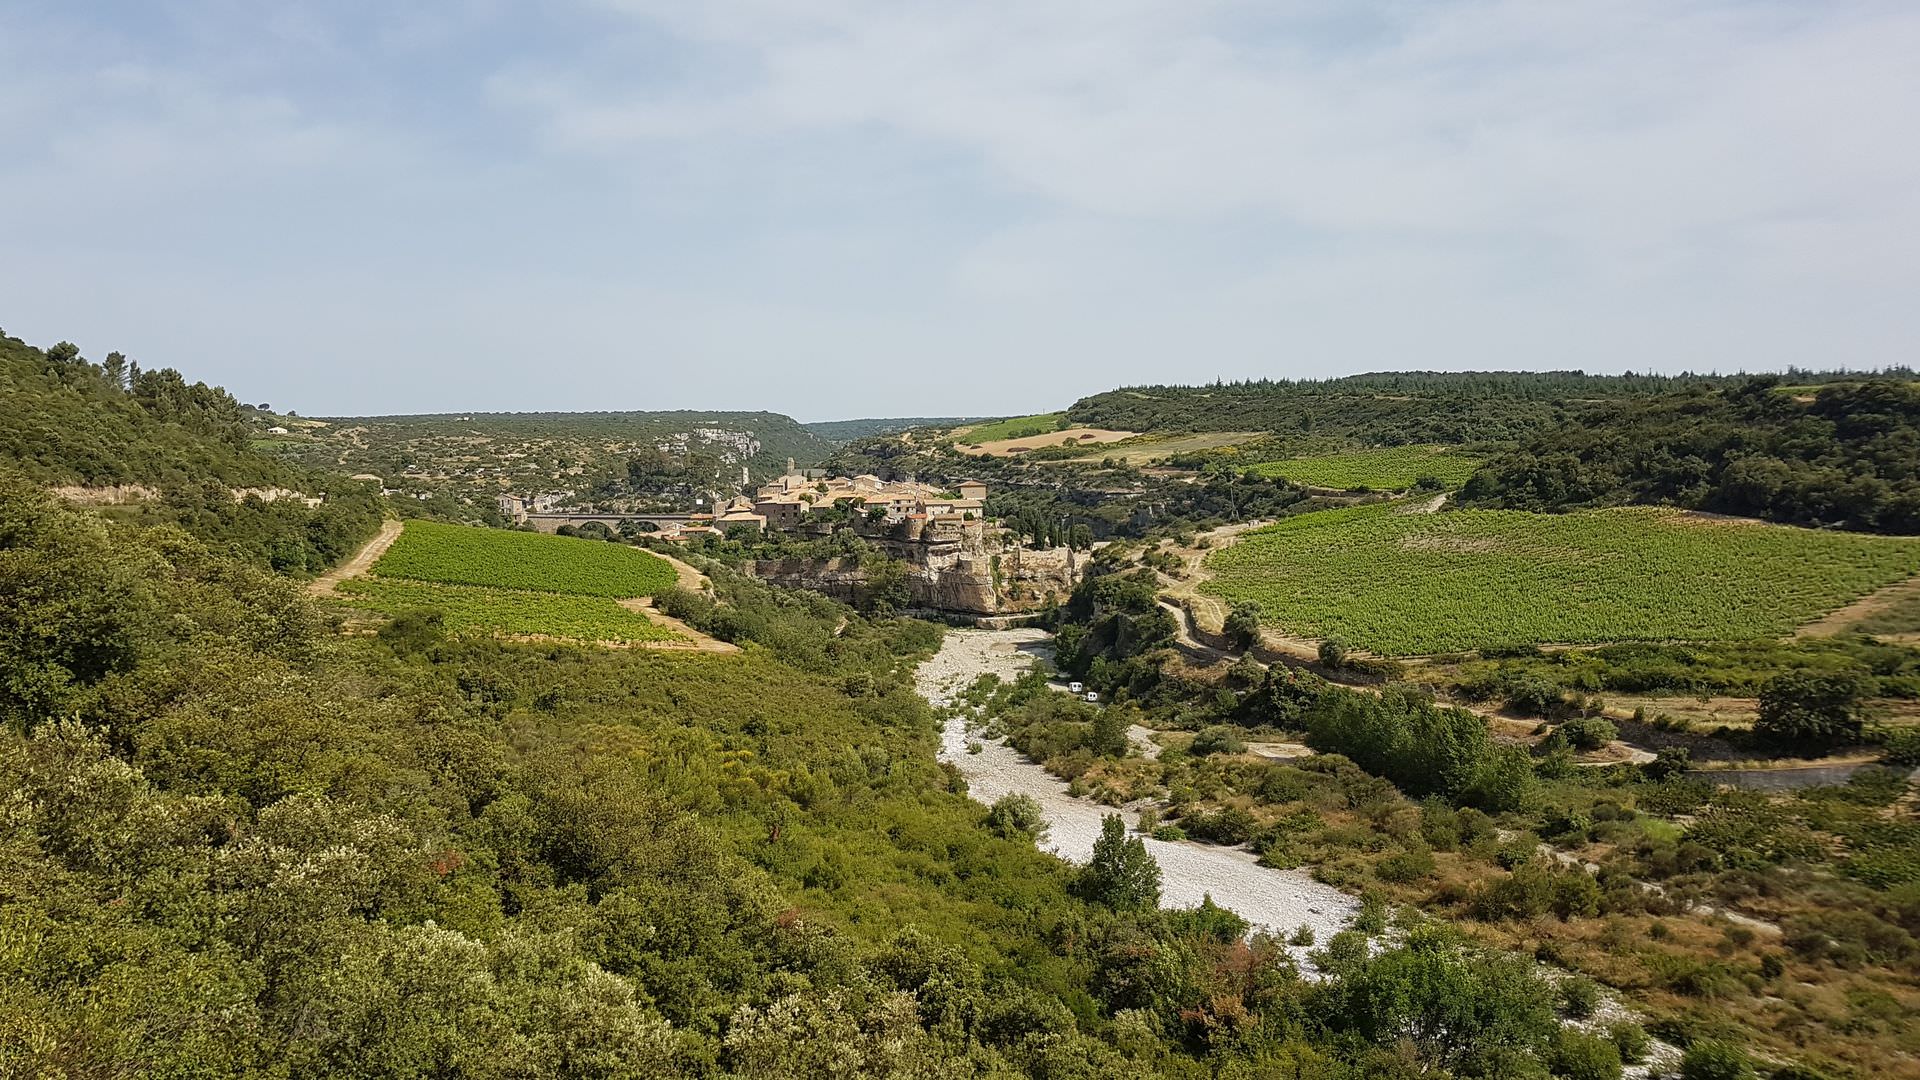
1152	449
1878	602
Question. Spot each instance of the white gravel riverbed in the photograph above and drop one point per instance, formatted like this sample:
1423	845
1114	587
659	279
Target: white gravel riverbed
1278	900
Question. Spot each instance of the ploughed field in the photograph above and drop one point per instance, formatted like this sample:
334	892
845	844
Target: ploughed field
1389	468
492	581
1400	584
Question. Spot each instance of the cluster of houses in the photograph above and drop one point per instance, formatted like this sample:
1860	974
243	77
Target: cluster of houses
783	503
787	500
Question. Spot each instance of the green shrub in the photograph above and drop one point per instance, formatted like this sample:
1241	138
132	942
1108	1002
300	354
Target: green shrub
1631	1040
1589	732
1017	816
1577	1055
1405	866
1579	997
1218	739
1815	710
1711	1059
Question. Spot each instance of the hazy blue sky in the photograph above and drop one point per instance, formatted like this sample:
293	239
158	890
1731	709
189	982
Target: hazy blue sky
839	208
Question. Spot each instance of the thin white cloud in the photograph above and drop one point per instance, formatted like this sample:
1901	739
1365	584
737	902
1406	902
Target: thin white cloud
854	206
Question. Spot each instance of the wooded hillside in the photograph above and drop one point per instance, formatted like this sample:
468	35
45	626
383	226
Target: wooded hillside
1846	456
66	420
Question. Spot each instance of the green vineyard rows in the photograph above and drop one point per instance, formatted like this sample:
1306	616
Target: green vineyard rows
458	555
1391	468
1400	583
471	609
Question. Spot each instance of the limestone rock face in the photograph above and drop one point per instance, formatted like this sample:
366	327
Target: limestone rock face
957	567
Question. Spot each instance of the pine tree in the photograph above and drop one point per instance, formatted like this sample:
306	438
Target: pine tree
1122	875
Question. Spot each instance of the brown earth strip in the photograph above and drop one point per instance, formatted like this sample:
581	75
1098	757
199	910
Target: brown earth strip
695	640
328	584
1874	603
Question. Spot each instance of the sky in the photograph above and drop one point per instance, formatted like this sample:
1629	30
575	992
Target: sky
840	208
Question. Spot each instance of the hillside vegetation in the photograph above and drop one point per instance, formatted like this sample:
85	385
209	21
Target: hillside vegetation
67	421
1382	409
1014	427
841	431
240	845
1404	583
1847	455
1394	468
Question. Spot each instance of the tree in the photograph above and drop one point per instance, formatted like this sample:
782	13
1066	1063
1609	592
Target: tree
888	589
1818	710
1243	625
1122	875
1333	653
1080	538
1468	1013
1109	737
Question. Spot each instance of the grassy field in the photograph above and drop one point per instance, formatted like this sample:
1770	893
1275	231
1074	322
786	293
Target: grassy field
1408	584
476	609
1391	468
1014	427
497	558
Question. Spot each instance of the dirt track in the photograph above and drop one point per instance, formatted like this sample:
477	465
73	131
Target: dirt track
329	583
695	640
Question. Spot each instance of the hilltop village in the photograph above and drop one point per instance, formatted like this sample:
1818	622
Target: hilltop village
952	559
788	501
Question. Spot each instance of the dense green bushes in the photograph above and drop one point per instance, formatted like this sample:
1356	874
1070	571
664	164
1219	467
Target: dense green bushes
64	420
1423	748
1847	457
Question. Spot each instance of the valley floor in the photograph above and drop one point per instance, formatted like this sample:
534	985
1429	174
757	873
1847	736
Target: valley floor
1278	900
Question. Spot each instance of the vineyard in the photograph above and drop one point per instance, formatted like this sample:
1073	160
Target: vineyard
1391	468
1015	427
1408	584
471	609
457	555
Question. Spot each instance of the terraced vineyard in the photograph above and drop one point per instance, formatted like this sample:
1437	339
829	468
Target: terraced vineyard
1409	584
1389	468
517	584
477	609
458	555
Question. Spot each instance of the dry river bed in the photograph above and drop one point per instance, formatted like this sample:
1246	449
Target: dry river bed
1277	900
